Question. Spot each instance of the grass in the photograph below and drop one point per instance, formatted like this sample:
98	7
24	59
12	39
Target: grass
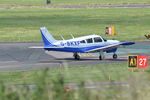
71	2
100	73
138	83
22	25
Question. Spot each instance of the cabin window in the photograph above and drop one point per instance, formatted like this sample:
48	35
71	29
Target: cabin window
104	39
97	39
83	41
89	40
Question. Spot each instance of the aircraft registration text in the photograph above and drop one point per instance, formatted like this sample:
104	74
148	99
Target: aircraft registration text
70	43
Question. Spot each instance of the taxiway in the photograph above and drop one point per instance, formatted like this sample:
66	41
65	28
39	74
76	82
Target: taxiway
18	56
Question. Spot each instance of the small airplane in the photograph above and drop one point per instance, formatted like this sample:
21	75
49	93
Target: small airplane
84	44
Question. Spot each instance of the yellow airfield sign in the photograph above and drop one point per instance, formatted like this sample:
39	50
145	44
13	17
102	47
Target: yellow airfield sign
132	61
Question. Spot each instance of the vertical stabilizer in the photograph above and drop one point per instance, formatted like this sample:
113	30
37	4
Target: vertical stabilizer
48	39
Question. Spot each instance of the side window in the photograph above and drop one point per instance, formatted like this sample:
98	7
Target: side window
83	41
97	39
89	40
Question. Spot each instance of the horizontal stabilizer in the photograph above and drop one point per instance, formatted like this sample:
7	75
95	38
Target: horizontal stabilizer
41	47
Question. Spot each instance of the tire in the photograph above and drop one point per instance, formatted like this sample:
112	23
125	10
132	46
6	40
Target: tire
115	56
100	57
76	56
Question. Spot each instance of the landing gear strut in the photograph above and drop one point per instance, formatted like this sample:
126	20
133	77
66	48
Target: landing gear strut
115	56
101	56
76	56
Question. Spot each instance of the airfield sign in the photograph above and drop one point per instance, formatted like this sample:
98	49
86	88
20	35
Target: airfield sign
137	61
142	61
132	61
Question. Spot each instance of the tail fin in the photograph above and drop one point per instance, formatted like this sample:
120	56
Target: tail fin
48	39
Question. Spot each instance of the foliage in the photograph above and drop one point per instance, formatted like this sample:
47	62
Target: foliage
137	88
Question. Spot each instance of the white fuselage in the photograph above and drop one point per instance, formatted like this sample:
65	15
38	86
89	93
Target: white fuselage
85	41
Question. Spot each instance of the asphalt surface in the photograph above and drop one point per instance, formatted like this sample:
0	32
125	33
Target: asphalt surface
18	56
85	6
99	6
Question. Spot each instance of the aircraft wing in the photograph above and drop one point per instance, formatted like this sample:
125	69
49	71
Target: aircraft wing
116	45
41	47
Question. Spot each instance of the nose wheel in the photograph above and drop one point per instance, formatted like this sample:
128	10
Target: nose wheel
76	56
115	56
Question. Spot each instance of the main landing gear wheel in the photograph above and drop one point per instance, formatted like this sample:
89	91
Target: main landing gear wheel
115	56
76	56
100	57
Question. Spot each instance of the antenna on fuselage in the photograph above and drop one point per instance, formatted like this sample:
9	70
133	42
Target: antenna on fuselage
72	36
62	37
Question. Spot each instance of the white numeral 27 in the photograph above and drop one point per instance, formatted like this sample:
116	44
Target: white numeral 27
142	61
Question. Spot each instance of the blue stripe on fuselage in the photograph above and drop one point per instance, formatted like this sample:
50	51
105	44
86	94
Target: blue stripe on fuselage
75	49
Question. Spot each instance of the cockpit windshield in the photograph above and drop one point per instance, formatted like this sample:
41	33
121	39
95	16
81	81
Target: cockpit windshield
104	39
